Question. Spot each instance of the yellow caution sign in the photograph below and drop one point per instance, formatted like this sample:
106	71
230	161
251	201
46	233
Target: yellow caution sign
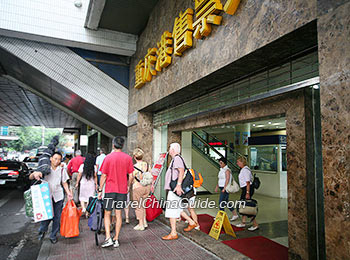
220	221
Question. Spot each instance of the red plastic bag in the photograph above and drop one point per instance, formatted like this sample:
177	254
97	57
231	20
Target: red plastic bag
70	218
153	209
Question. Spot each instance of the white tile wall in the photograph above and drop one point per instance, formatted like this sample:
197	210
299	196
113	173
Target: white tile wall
73	72
60	22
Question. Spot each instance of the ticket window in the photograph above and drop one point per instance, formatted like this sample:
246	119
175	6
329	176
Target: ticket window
268	158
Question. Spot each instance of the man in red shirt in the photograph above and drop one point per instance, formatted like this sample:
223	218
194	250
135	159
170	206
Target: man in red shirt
115	169
72	169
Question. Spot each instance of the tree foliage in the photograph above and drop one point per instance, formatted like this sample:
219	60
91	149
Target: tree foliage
31	137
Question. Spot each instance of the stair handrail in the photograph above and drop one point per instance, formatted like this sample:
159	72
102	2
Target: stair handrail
233	151
233	165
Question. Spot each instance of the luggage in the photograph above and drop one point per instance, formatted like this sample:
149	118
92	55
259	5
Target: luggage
91	205
70	218
153	209
97	219
250	209
93	222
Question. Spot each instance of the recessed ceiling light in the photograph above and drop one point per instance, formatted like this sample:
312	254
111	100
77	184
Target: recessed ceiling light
270	123
78	3
253	124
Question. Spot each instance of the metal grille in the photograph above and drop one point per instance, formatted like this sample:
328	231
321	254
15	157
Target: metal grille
295	71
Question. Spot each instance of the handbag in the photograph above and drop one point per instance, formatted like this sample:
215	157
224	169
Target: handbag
147	177
250	209
187	182
256	182
232	187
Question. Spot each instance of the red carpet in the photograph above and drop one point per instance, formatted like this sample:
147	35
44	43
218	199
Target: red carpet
259	248
206	221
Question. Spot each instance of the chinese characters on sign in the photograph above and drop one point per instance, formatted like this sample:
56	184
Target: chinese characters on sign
182	32
207	13
164	51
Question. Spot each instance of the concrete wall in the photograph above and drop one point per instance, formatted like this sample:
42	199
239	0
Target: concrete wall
60	22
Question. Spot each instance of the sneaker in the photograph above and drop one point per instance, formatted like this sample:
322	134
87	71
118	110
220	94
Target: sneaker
41	236
234	218
127	221
197	227
115	243
252	228
53	240
241	225
138	227
108	242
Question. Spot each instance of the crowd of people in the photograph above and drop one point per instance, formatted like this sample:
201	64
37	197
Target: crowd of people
116	178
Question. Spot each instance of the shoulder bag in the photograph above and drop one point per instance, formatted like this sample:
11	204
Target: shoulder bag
187	182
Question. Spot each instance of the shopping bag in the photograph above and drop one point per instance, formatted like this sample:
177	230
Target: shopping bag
28	203
42	203
70	218
153	209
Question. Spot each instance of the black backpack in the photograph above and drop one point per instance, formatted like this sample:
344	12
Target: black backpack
256	182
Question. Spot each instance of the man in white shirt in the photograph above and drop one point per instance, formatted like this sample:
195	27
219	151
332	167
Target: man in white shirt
99	161
57	179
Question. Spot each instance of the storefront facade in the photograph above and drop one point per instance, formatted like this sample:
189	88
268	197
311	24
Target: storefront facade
216	82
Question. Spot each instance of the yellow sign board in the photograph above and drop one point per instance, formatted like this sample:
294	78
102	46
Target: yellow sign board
207	12
220	221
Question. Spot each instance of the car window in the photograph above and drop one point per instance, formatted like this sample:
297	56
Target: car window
8	165
29	159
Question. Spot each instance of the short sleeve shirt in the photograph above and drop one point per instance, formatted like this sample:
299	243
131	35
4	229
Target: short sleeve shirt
81	168
222	176
176	164
116	166
55	179
244	176
99	161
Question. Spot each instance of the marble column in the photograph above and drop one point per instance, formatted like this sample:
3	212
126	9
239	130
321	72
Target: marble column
145	134
334	56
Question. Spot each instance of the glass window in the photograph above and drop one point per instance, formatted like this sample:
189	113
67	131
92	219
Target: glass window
263	158
284	158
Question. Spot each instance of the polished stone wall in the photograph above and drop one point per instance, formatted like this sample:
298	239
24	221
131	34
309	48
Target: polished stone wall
141	136
255	24
292	106
334	57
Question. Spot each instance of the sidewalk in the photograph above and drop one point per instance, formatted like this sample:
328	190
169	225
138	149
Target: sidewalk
133	245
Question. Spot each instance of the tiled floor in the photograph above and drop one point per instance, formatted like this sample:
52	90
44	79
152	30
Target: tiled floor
133	245
272	216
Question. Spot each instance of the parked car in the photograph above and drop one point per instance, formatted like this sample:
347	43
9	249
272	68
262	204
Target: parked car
32	162
14	173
